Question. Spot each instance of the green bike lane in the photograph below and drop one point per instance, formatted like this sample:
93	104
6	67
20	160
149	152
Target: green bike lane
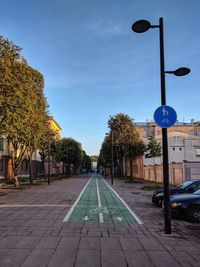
98	202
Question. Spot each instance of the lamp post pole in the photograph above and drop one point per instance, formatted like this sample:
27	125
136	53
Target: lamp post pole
112	167
141	26
167	208
49	148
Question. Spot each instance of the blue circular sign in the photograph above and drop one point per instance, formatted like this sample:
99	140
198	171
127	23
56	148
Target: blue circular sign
165	116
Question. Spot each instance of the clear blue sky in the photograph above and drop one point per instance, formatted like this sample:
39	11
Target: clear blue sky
95	66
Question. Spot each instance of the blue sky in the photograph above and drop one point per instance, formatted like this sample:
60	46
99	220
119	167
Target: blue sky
95	66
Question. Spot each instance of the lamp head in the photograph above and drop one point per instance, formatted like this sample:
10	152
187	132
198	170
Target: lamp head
182	71
141	26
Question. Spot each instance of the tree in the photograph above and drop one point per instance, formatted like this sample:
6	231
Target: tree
135	150
69	151
12	105
36	113
153	150
86	162
23	106
46	141
124	134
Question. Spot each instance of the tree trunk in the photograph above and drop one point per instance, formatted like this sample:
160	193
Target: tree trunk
16	180
30	169
131	168
43	167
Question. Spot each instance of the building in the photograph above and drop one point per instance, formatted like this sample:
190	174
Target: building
5	162
183	152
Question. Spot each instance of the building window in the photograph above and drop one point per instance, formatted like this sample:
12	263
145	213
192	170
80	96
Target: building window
198	132
180	148
2	144
173	148
197	152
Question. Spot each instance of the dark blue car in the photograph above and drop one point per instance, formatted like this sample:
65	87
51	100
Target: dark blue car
186	206
187	187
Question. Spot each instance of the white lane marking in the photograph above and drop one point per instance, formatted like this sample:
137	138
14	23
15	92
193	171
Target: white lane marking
119	219
129	209
99	203
75	203
86	218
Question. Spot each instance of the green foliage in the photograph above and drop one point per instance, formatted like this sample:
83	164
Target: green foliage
136	149
86	161
23	107
153	148
69	151
94	158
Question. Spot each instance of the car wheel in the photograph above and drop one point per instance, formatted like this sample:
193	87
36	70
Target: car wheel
193	214
161	203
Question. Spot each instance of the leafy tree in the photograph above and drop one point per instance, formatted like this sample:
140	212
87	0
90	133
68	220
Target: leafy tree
135	150
22	104
86	161
46	144
68	151
153	150
13	82
124	134
36	107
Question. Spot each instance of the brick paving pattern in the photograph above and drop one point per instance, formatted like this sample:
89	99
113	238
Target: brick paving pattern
32	231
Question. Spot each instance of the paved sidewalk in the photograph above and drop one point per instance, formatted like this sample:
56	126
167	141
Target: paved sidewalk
32	231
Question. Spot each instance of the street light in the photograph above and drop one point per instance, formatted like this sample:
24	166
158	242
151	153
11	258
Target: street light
141	26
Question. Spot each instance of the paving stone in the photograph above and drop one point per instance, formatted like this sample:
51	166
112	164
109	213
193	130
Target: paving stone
38	258
150	244
28	242
114	258
48	242
71	243
110	243
89	243
14	257
163	258
138	259
89	258
184	258
130	244
3	252
9	241
63	258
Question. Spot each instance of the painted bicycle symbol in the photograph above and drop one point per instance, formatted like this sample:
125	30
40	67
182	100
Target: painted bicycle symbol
101	210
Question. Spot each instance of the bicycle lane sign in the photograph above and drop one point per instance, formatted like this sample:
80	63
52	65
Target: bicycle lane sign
165	116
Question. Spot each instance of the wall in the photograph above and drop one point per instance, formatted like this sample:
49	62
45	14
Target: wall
155	173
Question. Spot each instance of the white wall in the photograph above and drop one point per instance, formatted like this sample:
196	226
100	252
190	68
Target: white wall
179	149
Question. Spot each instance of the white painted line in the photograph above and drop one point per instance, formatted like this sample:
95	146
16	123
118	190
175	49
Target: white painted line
75	203
99	203
129	209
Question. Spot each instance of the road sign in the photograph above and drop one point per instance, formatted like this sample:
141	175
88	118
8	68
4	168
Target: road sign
165	116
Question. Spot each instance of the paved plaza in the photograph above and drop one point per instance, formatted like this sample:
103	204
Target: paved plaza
33	232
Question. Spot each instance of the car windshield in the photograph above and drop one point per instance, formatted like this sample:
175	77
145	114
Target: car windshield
197	192
185	185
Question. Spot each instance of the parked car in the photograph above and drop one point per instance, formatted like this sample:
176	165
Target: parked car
186	206
187	187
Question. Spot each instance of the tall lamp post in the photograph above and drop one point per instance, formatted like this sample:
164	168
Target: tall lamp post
141	26
49	162
112	171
